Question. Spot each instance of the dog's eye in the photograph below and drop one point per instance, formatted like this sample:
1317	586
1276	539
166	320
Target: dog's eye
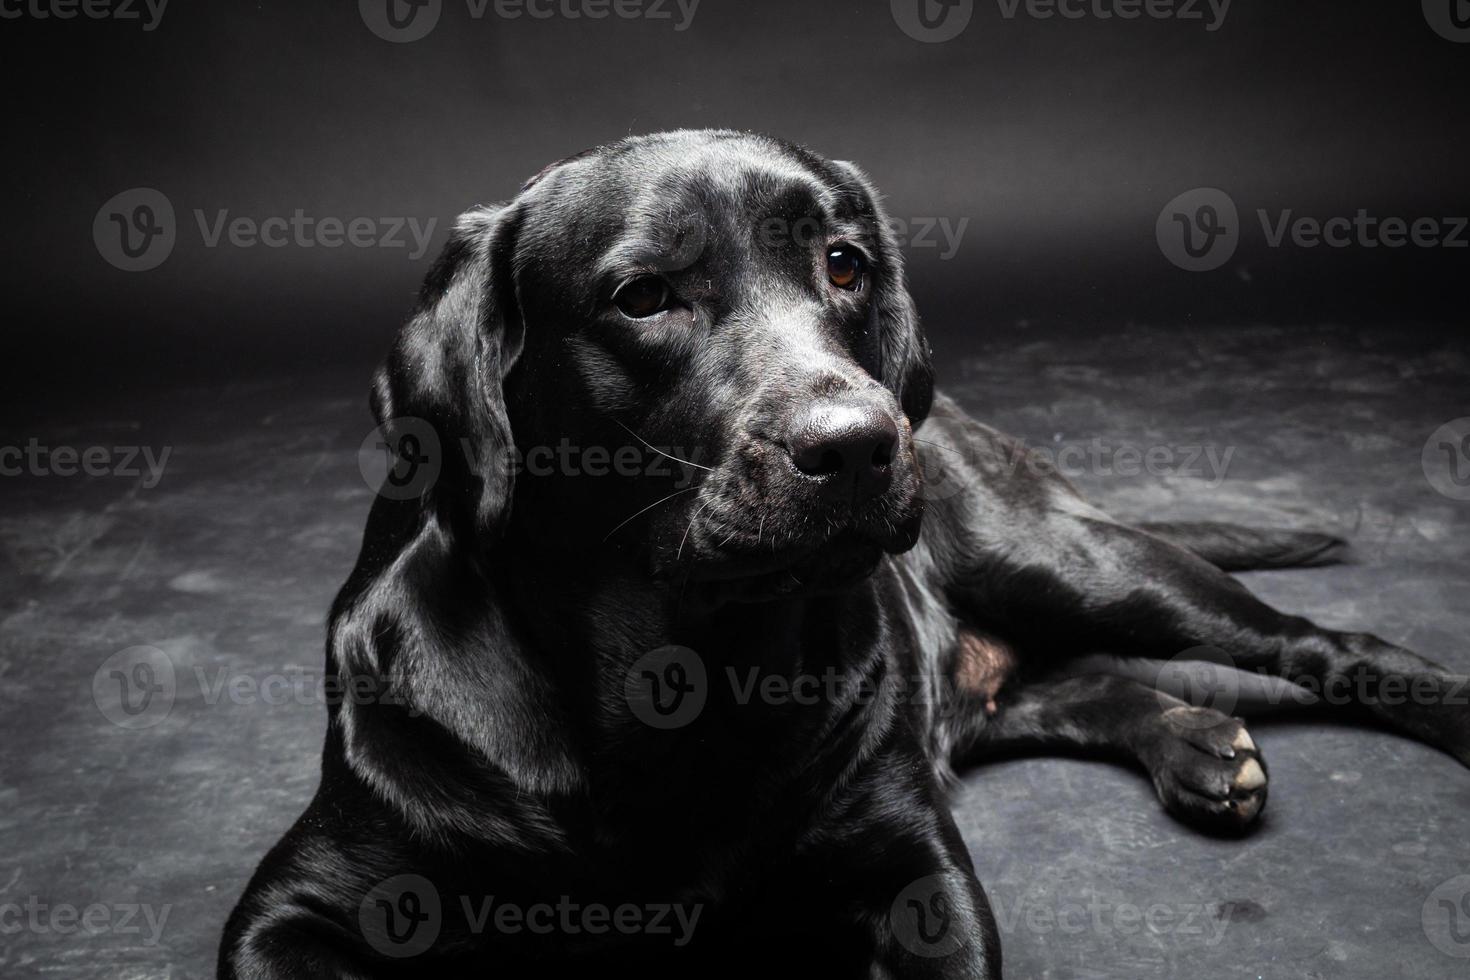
643	297
845	267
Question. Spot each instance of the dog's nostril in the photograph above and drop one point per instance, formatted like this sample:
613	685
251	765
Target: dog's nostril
829	462
850	446
815	458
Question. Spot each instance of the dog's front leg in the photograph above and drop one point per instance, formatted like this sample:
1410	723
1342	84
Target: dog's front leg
938	925
895	867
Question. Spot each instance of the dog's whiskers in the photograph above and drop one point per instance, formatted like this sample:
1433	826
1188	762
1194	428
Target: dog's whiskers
680	553
685	462
647	509
930	442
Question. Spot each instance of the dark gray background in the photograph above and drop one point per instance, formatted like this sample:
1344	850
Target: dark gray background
1059	141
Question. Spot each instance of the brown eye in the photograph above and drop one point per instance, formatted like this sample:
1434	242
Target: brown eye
643	297
845	267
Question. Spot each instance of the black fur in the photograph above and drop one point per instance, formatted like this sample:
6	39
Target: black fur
508	616
1242	549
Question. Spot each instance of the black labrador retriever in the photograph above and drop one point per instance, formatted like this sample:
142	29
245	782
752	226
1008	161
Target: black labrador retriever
665	668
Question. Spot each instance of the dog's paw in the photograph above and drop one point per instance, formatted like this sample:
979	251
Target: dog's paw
1207	769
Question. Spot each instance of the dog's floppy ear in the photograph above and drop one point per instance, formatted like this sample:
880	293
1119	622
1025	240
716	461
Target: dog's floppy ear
443	381
907	370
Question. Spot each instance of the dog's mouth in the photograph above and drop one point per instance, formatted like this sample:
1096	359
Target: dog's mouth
748	540
837	565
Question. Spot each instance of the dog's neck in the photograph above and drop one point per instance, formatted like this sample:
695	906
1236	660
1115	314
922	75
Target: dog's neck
598	612
608	603
778	681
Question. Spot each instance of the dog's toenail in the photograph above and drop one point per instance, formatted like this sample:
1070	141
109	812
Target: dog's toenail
1251	776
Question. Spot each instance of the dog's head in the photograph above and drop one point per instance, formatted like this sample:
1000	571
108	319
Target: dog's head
728	300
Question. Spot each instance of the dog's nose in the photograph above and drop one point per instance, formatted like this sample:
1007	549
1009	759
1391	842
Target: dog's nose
850	447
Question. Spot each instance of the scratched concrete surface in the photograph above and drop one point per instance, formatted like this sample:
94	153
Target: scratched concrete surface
228	565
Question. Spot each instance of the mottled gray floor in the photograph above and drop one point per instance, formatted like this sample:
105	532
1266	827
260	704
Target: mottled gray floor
228	565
